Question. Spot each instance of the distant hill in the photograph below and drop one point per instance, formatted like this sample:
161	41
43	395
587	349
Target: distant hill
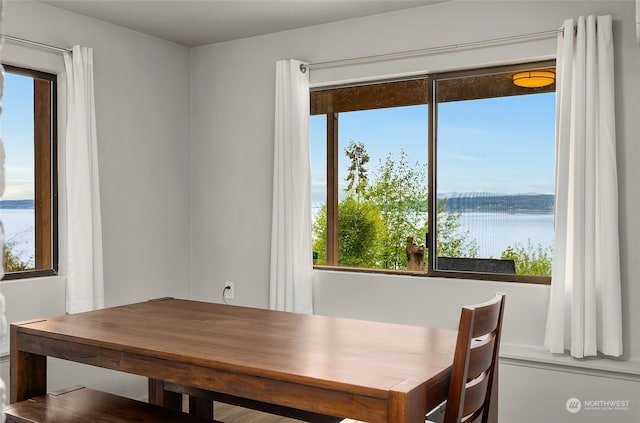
481	202
16	204
486	203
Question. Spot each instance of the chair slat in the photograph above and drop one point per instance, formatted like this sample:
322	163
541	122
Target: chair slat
486	319
474	418
481	355
475	395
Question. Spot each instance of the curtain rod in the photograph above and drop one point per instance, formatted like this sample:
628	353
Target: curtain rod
36	44
409	53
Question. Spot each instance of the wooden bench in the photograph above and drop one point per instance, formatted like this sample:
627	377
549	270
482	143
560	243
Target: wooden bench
81	405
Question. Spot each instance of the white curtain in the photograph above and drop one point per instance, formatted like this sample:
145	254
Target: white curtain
291	287
638	20
85	285
585	313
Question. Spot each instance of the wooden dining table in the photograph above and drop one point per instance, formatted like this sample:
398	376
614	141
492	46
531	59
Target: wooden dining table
322	366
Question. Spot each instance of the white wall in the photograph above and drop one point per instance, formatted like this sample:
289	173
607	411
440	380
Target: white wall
142	107
158	188
232	87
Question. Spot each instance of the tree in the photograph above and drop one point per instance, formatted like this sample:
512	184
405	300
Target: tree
400	192
530	260
357	177
12	260
359	231
359	224
376	216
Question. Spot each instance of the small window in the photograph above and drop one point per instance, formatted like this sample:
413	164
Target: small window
28	207
372	143
471	149
494	174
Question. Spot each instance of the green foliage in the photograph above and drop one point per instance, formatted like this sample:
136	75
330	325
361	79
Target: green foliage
359	230
357	177
530	260
400	192
320	235
12	260
377	216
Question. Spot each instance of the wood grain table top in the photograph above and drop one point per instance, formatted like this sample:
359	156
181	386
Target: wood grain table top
351	356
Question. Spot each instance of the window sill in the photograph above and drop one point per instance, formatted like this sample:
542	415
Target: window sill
30	274
369	270
537	356
494	277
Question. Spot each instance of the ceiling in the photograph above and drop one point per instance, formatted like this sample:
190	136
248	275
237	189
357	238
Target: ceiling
198	22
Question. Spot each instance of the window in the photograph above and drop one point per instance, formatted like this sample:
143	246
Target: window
469	148
28	207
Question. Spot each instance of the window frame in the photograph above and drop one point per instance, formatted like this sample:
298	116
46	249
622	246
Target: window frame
329	101
45	174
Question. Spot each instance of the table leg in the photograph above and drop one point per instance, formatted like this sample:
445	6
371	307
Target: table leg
201	407
408	402
159	396
28	372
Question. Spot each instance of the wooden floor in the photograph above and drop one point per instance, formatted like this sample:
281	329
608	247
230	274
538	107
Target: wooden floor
231	414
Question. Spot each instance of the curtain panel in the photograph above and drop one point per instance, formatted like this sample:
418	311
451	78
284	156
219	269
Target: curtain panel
291	284
84	268
638	21
584	314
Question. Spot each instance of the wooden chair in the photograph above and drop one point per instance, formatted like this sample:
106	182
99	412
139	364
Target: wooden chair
473	386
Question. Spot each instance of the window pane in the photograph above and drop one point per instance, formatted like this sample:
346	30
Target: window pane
17	204
495	182
27	126
318	152
382	157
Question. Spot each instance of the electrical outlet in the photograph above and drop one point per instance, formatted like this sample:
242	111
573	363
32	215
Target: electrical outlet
229	292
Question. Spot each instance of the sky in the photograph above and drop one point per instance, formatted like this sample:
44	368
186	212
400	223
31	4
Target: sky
502	145
16	130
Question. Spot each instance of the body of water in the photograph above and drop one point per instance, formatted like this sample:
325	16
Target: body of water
494	232
19	228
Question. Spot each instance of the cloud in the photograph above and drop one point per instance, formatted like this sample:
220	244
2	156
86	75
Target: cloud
18	190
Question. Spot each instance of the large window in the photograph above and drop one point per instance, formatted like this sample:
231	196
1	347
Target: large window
28	207
469	148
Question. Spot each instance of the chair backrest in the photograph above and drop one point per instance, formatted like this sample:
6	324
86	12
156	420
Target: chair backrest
475	362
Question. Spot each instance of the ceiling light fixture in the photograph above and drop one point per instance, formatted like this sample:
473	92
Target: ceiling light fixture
534	79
